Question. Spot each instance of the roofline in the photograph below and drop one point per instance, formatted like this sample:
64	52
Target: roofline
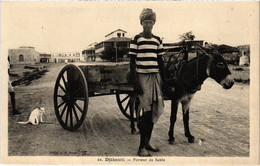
115	31
108	40
105	41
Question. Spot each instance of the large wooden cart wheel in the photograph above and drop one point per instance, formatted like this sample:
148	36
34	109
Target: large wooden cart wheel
124	102
71	97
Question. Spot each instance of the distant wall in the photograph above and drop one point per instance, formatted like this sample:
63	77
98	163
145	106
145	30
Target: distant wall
23	56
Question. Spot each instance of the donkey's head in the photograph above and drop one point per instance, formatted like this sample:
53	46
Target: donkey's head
218	70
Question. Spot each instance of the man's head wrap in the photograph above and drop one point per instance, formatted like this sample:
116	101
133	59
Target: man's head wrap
147	14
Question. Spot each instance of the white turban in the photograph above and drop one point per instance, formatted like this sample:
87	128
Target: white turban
147	14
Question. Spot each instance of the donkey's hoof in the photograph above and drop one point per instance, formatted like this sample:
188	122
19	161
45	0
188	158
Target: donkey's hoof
171	141
191	140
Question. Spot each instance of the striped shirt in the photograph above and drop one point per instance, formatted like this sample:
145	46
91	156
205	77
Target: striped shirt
146	51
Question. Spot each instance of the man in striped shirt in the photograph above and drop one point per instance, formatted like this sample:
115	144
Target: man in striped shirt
147	71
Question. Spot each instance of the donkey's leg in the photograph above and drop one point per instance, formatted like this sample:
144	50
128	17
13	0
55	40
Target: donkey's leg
174	109
132	110
138	115
185	112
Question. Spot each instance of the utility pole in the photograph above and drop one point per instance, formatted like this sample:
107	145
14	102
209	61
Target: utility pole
116	52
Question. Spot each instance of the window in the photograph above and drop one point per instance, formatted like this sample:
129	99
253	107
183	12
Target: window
21	58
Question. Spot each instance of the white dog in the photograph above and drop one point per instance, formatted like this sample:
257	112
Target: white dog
36	116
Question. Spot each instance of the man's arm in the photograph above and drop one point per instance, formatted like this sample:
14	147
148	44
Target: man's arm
133	76
134	79
132	69
161	67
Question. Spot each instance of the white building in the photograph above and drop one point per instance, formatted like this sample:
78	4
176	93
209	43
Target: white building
67	56
24	55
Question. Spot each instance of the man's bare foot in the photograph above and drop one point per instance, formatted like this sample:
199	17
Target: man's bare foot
143	152
151	148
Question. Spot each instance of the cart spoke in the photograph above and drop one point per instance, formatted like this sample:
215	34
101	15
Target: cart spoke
70	79
71	118
78	107
67	115
65	83
127	106
125	98
63	110
62	88
61	104
75	113
60	95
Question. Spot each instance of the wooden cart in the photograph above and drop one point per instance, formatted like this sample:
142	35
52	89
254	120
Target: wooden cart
78	81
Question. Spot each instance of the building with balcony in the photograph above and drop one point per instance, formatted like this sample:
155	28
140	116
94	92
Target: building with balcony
115	47
116	33
89	53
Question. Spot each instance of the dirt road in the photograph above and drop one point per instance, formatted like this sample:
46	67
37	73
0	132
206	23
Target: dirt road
217	116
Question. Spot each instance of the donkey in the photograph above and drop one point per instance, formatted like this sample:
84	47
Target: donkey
191	75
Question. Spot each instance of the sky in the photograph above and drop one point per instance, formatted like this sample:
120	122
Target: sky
71	26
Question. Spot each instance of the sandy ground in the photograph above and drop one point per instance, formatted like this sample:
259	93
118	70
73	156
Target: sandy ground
217	116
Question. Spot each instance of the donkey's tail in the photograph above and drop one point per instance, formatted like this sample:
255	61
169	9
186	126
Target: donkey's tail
24	122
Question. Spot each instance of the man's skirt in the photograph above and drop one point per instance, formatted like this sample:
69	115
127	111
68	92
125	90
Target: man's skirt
152	98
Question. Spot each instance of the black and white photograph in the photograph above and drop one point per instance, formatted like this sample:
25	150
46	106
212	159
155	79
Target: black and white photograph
130	82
